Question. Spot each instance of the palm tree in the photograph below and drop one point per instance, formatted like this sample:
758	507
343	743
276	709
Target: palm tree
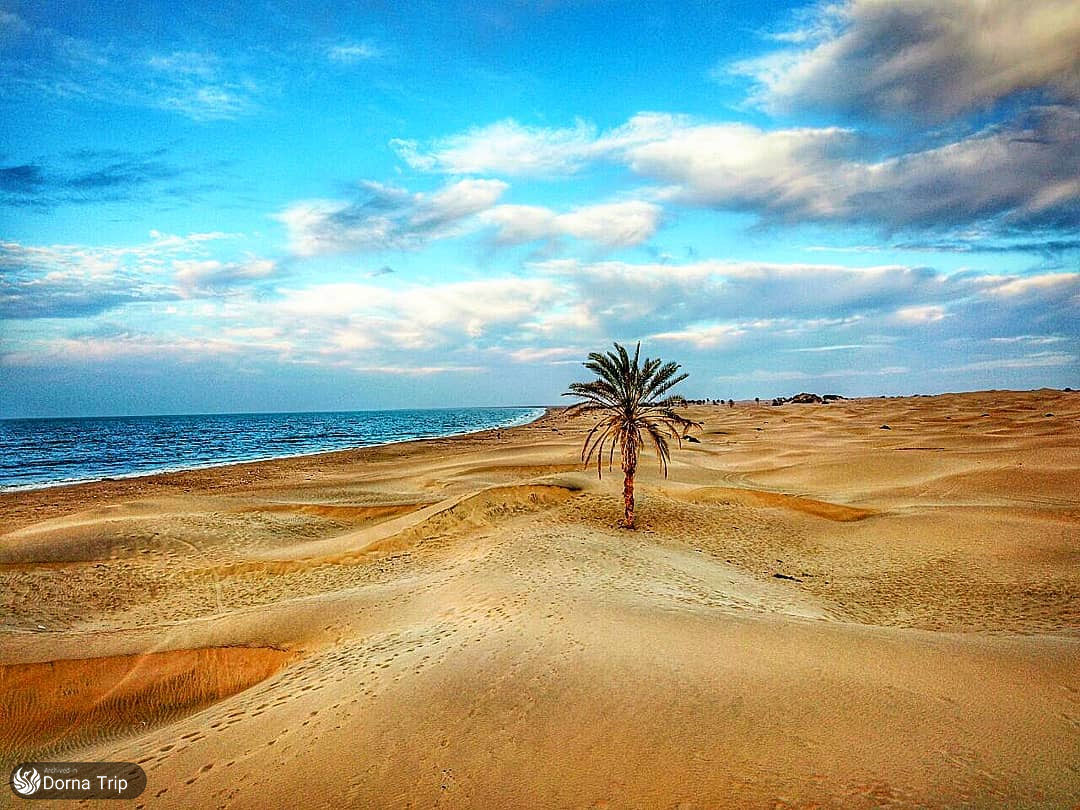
630	397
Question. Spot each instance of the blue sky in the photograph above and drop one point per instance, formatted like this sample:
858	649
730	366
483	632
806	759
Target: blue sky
280	206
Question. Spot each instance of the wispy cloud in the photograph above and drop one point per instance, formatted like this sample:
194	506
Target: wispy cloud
200	276
1031	340
704	337
1035	360
385	217
418	371
506	148
966	242
90	176
929	313
612	224
202	86
784	375
190	63
209	102
548	354
838	348
350	53
510	148
11	21
21	180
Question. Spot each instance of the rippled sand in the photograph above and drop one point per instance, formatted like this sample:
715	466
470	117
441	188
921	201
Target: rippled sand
815	611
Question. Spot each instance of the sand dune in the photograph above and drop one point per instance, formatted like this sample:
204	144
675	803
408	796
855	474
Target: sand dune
54	705
815	612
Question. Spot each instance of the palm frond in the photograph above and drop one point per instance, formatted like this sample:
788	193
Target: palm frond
632	395
664	380
660	443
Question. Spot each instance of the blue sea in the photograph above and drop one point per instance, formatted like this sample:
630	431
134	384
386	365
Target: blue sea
45	452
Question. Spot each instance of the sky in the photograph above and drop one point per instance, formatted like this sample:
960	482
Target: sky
275	206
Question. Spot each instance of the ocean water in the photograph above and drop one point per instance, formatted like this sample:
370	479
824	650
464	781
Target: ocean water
45	452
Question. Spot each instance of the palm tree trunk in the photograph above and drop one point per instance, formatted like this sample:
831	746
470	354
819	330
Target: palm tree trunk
628	496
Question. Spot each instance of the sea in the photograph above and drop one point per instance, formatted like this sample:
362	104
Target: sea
38	453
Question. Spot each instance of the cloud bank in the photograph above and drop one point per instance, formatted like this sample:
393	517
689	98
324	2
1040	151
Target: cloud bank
806	174
925	59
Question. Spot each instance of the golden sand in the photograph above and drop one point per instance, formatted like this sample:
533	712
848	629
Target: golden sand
814	612
55	705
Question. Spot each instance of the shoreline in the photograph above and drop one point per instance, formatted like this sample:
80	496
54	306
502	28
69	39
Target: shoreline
165	471
23	507
547	410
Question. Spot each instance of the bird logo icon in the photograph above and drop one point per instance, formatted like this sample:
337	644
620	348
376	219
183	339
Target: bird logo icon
26	781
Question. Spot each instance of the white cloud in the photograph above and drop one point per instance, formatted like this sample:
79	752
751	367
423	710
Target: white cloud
813	174
816	174
511	148
393	218
817	310
548	354
763	375
625	292
704	337
305	223
613	224
922	58
414	316
572	316
199	275
418	371
918	315
838	348
71	281
1045	284
783	172
505	147
456	202
191	63
1031	340
201	86
209	103
350	53
1035	360
185	348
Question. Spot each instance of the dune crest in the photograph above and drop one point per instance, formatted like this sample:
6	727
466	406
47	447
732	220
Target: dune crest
777	500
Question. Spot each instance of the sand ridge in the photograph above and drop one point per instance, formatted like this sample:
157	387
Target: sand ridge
815	611
776	500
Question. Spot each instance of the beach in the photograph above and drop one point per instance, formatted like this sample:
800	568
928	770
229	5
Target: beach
872	602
